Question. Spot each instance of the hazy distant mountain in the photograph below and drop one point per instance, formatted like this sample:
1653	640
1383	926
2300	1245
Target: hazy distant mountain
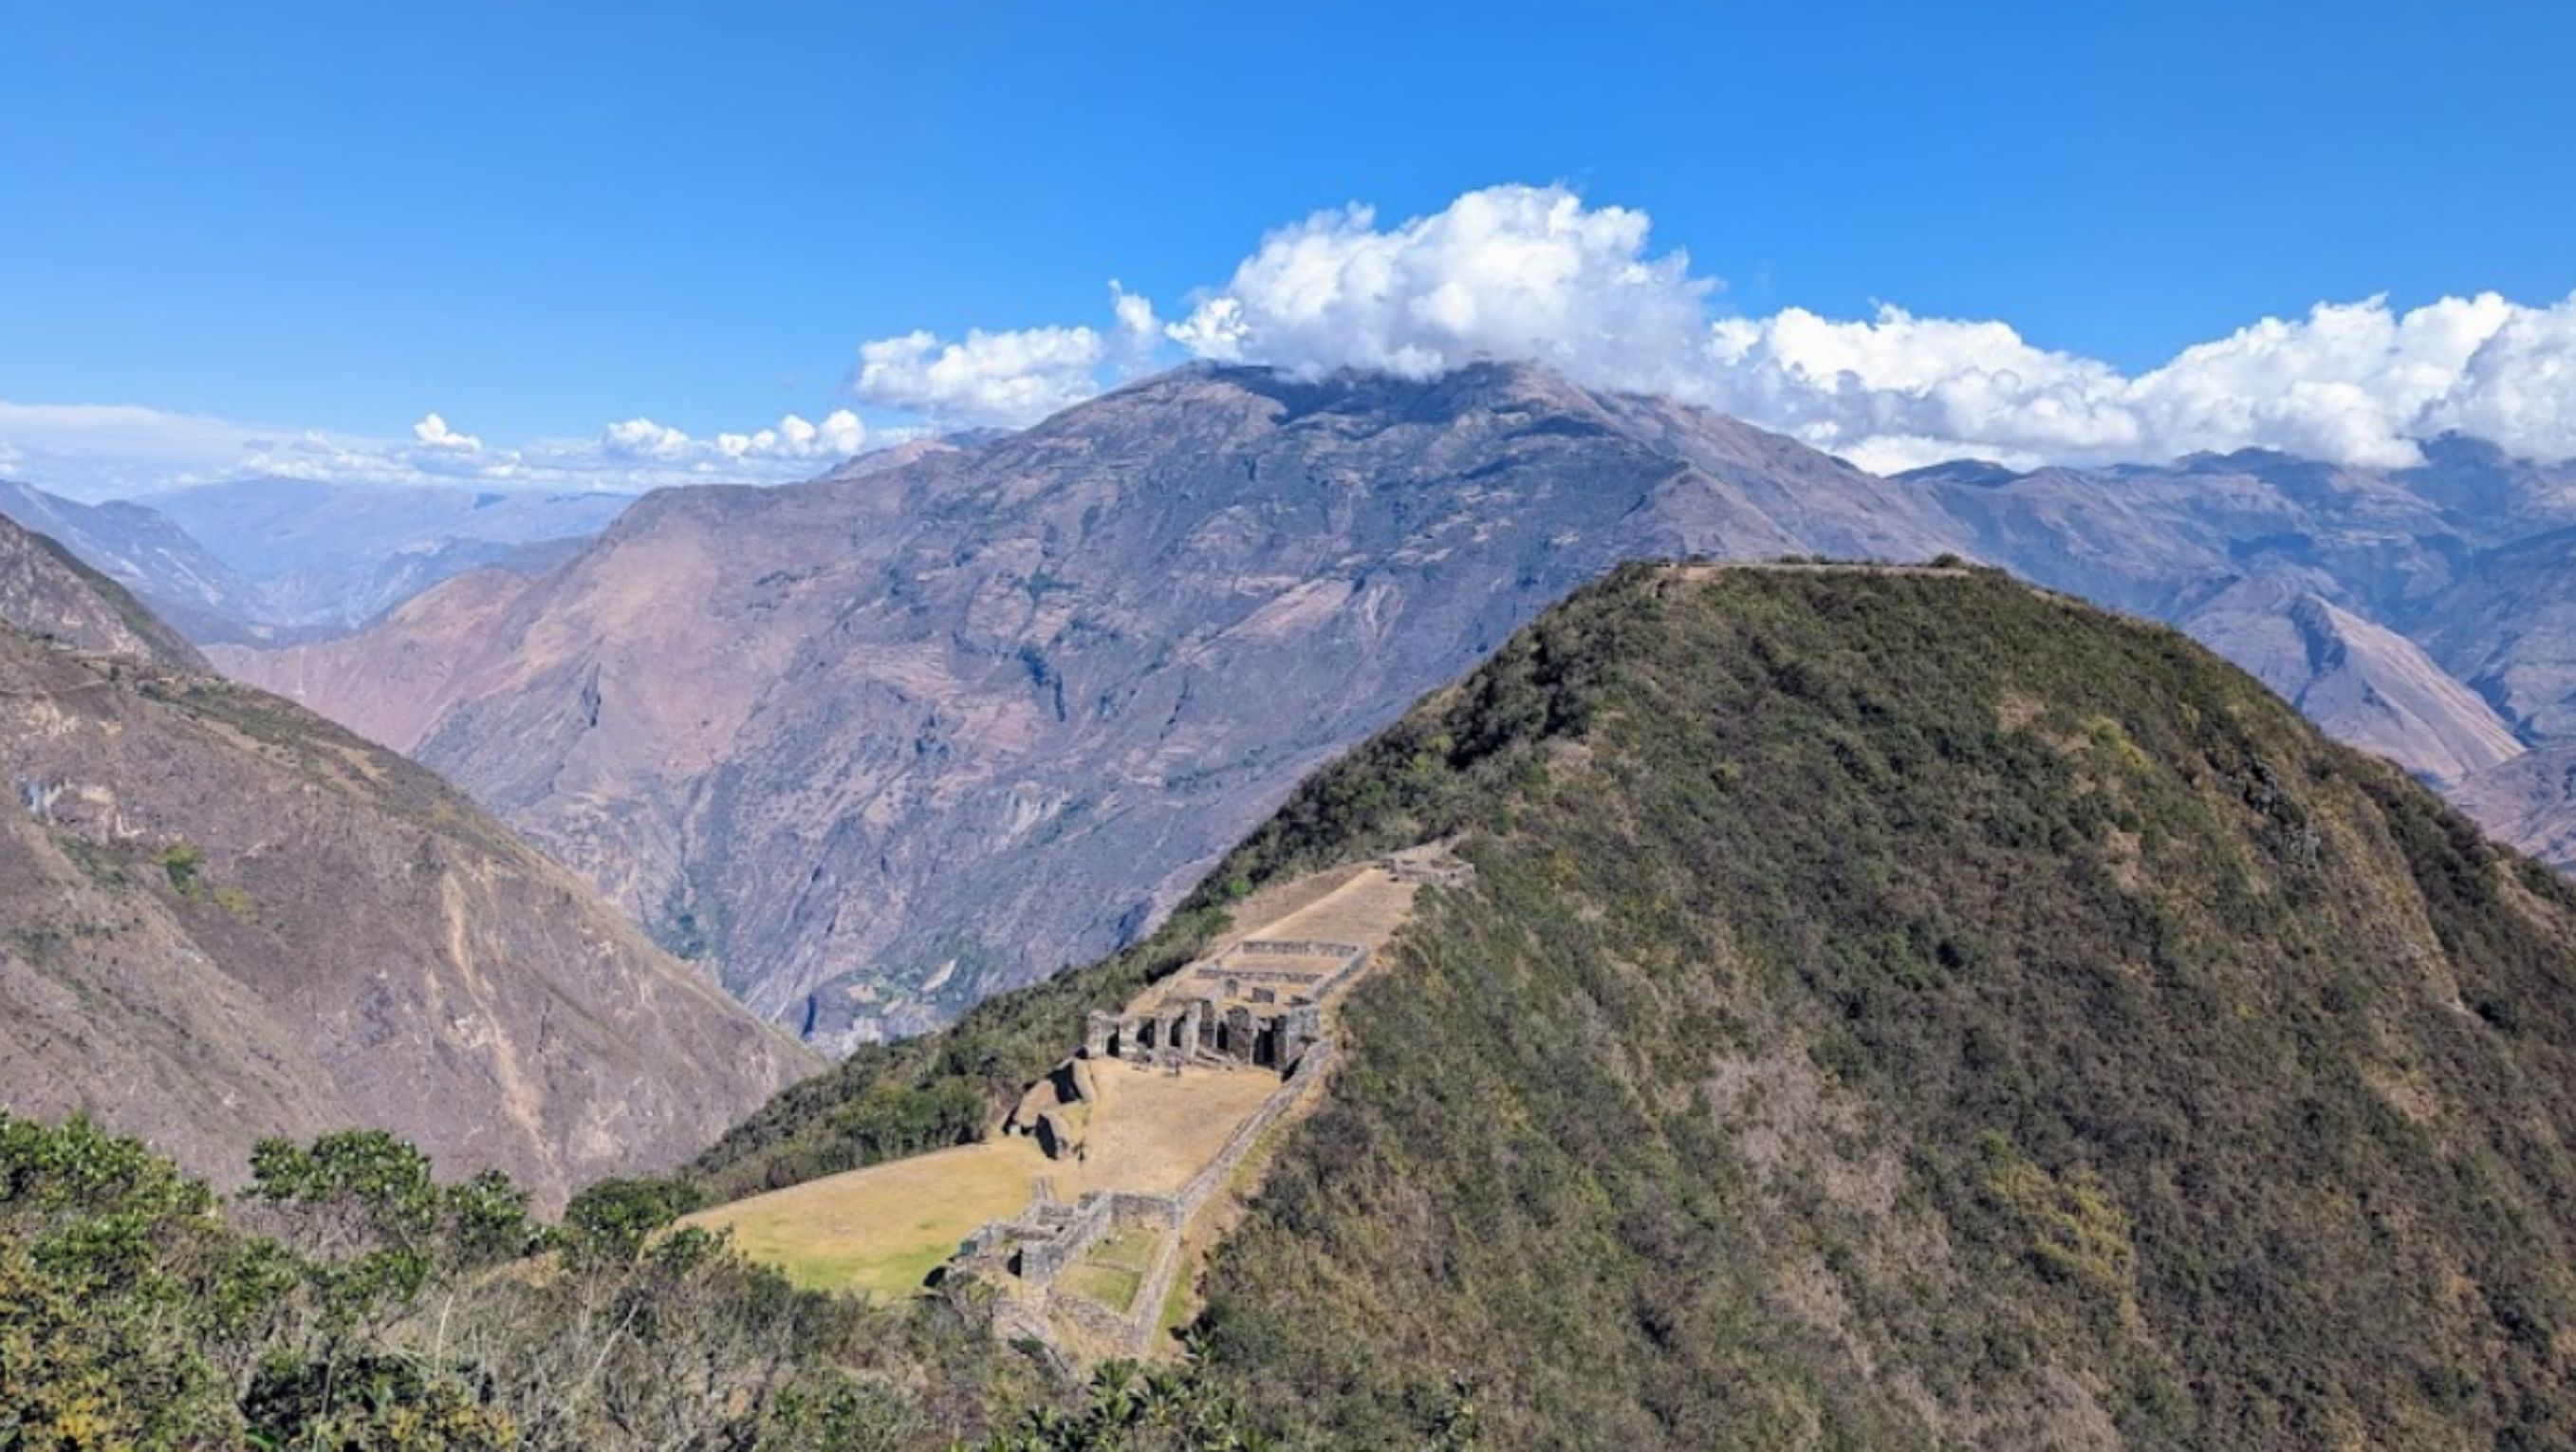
144	551
883	743
2366	684
228	918
2529	801
267	561
334	556
2341	587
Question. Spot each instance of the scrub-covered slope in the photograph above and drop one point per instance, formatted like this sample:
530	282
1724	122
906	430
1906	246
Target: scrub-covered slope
1906	1007
1894	1008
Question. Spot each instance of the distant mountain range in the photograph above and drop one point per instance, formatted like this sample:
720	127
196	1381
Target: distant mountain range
227	918
884	743
272	560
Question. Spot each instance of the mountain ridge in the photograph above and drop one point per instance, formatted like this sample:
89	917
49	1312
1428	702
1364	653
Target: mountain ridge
805	732
1891	1008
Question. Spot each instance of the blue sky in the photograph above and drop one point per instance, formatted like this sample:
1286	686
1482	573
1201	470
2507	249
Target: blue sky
538	220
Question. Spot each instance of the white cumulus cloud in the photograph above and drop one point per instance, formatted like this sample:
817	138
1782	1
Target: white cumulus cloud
433	433
1507	272
2354	383
1534	273
1009	378
2519	387
1012	377
1518	273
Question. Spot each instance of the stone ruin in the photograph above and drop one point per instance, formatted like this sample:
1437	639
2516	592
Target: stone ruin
1056	1109
1430	865
1043	1239
1257	1004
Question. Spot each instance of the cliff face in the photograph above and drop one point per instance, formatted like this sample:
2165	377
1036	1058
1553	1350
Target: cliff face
227	918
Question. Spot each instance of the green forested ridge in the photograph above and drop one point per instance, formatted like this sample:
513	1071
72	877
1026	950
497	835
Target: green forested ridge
1898	1008
1893	1009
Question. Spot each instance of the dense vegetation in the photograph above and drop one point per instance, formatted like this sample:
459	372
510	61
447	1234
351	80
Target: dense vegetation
347	1301
1893	1009
1906	1008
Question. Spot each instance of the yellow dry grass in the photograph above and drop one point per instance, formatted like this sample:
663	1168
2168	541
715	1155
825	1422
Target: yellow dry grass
883	1229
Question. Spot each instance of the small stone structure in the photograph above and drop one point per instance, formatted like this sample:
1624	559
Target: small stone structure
1430	865
1049	1235
1045	1238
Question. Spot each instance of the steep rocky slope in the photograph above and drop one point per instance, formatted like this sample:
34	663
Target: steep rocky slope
883	744
2368	685
47	592
1893	1009
226	918
143	551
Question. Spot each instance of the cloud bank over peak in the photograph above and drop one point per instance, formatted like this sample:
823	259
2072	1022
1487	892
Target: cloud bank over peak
1534	273
1510	272
1537	274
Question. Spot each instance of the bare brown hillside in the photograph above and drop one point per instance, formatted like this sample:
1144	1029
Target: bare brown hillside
222	917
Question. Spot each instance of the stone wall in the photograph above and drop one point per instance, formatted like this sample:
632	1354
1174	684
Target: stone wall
1043	1257
1145	1313
1208	1180
1110	1326
1162	1212
1295	948
1133	1333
